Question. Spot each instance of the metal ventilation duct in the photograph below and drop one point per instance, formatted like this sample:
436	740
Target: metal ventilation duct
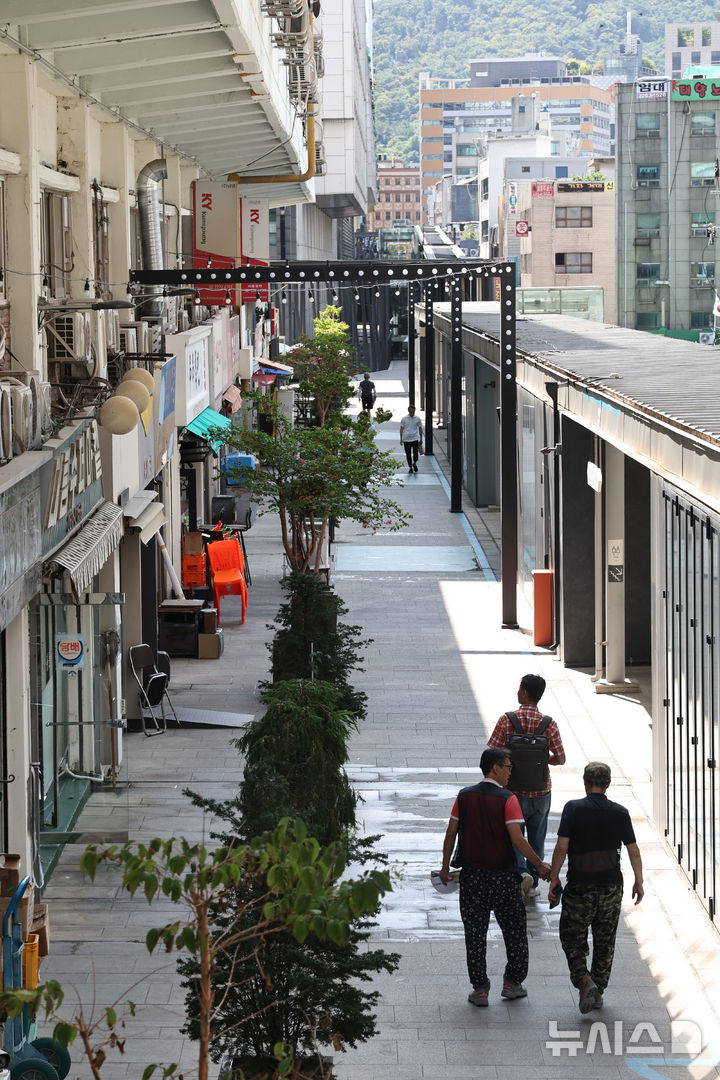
151	241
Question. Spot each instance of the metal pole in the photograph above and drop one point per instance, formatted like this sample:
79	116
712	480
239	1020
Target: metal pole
429	370
411	341
456	463
615	565
508	445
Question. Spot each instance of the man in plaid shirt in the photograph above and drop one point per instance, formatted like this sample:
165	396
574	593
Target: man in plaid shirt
535	805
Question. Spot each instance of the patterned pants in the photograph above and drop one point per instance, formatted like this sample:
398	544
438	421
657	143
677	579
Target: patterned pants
585	907
498	891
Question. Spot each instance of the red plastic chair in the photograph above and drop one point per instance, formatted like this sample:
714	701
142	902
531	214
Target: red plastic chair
227	567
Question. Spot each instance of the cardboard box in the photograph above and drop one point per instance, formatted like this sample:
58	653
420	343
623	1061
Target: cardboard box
209	620
41	927
24	912
210	646
9	874
193	543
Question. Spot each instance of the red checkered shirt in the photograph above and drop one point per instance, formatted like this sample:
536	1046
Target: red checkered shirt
530	717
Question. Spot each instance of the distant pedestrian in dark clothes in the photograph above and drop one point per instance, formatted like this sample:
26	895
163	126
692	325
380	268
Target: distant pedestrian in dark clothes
591	832
366	393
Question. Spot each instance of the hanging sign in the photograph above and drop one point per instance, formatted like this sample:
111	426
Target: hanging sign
69	652
521	228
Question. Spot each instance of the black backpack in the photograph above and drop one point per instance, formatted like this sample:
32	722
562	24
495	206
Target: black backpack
530	756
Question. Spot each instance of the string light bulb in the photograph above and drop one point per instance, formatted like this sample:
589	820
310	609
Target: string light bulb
311	298
87	284
356	295
196	296
45	281
335	297
228	298
283	297
377	292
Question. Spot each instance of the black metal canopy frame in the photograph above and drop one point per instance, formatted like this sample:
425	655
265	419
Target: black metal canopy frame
427	274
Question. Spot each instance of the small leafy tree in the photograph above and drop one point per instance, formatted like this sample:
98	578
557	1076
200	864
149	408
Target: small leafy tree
281	881
323	365
309	476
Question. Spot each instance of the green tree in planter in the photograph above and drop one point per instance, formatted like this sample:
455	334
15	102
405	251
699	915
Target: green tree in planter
310	476
310	642
323	365
304	994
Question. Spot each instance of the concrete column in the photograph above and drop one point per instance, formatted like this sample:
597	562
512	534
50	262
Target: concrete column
118	172
20	134
79	150
614	488
18	696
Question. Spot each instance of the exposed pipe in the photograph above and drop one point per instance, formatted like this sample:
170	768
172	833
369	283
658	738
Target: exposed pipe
236	178
148	205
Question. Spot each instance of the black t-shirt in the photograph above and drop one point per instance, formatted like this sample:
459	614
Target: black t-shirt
596	829
367	389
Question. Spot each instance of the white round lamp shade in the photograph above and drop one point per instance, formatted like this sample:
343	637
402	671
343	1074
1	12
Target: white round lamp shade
119	415
140	375
134	390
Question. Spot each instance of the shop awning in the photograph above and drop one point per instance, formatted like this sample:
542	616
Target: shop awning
233	397
278	368
85	555
144	515
204	423
264	378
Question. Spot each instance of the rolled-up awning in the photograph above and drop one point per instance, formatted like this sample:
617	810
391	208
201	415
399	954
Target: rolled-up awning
233	397
85	555
144	515
276	366
204	423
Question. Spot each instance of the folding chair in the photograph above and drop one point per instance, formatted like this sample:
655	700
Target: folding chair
227	567
152	685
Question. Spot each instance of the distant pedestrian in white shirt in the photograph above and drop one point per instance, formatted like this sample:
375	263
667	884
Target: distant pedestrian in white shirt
411	433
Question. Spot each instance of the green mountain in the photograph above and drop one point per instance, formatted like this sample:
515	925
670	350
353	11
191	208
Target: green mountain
442	36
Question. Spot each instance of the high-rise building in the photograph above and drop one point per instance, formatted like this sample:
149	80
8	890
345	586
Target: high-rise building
450	109
690	43
667	199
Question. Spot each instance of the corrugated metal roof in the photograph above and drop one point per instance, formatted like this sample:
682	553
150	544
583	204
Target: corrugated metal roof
678	379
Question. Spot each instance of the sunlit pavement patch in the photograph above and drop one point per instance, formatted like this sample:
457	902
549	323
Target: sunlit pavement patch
434	560
422	479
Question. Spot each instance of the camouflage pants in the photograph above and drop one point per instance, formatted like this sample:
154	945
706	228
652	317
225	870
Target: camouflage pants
595	907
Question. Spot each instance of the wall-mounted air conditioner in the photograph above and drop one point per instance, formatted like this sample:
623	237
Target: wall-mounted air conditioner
21	399
128	339
140	334
170	318
706	337
153	335
6	439
112	330
97	361
68	336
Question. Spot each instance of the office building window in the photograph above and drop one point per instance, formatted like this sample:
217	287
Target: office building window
677	60
648	225
702	275
647	273
701	320
699	222
703	123
573	217
648	176
484	229
715	57
485	188
561	171
695	57
573	262
706	35
648	126
702	173
685	37
647	320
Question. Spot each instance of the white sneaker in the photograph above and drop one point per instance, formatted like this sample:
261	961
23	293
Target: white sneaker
526	886
534	892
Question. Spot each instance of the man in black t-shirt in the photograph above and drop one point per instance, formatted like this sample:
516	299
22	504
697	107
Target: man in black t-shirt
366	393
591	832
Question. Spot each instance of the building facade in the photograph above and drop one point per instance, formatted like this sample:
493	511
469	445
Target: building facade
667	198
689	44
398	195
451	113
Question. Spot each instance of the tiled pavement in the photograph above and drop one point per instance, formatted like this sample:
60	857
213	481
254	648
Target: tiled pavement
439	671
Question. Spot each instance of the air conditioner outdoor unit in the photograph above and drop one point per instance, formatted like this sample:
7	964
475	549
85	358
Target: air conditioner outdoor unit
6	440
21	398
98	344
128	339
170	320
45	410
112	330
183	321
68	336
706	337
153	335
140	335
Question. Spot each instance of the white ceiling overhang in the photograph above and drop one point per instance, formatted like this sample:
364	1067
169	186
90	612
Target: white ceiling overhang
199	76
